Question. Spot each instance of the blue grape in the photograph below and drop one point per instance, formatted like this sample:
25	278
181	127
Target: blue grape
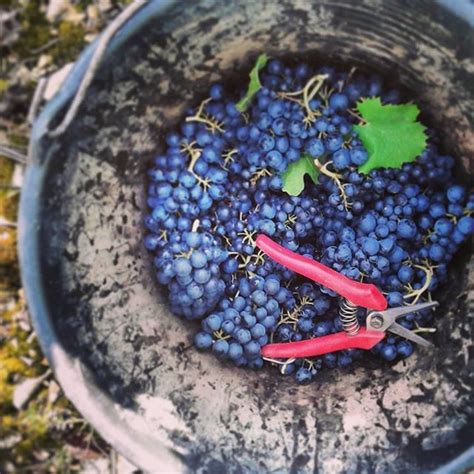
204	214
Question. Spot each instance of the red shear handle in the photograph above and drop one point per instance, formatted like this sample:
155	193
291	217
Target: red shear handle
361	294
323	345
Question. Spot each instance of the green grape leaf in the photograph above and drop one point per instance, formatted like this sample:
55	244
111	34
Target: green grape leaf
255	84
293	177
391	135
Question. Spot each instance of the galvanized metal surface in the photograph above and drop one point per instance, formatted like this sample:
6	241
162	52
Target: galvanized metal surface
128	364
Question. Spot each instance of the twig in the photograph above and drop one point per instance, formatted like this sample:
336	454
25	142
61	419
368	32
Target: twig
323	168
94	65
45	46
9	186
36	101
211	123
12	225
13	154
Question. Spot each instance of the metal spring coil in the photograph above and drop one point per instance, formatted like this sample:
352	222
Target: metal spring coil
348	317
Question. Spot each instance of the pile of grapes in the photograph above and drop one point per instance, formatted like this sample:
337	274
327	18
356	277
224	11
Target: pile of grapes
221	182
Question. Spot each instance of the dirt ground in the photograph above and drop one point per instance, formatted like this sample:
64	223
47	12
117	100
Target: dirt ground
39	429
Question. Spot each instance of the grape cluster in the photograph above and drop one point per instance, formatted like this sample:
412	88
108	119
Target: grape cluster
218	184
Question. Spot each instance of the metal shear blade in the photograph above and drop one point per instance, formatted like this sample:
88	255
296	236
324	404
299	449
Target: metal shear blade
386	321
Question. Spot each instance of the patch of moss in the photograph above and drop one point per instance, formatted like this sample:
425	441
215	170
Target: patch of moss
3	86
6	169
71	42
36	32
41	425
17	139
35	29
9	277
9	201
9	3
83	4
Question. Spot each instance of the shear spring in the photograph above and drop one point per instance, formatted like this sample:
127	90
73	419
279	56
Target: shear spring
348	317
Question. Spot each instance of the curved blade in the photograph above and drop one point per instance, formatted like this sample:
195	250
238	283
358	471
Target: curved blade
382	320
407	334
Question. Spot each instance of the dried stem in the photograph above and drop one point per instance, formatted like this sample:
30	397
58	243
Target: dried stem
323	168
308	92
211	123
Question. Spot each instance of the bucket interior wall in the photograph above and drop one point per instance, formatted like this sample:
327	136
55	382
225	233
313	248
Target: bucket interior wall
112	318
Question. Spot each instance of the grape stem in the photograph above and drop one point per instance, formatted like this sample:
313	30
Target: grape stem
325	94
194	154
416	294
347	79
229	157
357	116
308	92
211	123
248	237
259	174
164	235
220	335
284	363
196	225
290	221
323	168
291	317
422	329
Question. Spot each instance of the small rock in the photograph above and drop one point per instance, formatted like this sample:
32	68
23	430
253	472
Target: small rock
104	5
53	392
95	466
10	441
63	9
27	361
56	80
93	13
25	390
73	16
9	27
41	455
24	326
55	9
124	466
90	37
44	61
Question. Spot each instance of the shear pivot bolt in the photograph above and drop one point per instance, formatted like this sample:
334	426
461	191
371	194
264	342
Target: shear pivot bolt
377	322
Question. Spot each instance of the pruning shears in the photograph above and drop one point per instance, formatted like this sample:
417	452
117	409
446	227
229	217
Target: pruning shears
355	294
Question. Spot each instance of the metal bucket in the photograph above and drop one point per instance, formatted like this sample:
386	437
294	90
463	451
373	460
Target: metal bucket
123	360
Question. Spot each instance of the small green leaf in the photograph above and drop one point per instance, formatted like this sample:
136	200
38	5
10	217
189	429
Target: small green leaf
293	177
391	136
254	85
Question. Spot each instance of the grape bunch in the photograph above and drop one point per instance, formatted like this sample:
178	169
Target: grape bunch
218	184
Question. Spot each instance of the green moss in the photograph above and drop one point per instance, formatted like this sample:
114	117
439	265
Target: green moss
6	169
9	204
9	3
71	42
18	140
41	425
35	30
3	86
83	4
